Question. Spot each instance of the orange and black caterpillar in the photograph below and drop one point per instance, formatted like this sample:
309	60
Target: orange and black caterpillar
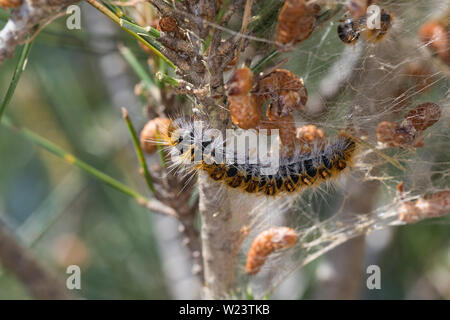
308	167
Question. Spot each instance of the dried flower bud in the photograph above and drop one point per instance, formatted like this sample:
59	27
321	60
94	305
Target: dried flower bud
409	132
395	135
403	137
436	205
244	108
6	4
310	134
152	132
435	34
265	243
168	24
386	132
290	100
285	91
423	116
244	111
280	79
295	22
286	129
240	82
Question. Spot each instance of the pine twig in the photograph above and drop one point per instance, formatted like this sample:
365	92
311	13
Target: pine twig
153	46
21	65
139	152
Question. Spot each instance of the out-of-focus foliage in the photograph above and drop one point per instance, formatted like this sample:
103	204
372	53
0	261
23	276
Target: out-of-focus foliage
66	217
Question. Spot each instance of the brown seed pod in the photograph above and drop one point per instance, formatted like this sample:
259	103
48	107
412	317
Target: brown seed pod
170	25
267	242
310	134
285	91
386	131
403	137
435	35
410	132
280	79
423	116
436	205
240	82
6	4
244	111
395	135
295	22
288	101
153	131
286	130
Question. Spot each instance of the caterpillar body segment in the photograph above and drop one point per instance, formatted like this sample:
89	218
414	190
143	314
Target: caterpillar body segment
307	168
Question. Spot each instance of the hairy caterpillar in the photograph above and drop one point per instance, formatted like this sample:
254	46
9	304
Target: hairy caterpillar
310	166
267	242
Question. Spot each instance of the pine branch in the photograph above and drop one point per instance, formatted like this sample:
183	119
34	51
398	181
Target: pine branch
24	19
